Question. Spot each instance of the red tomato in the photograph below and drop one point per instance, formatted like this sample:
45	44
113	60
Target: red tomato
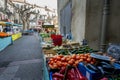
88	59
80	60
63	59
61	56
58	58
77	57
73	56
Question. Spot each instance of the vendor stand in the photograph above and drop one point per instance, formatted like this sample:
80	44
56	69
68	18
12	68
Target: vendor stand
4	42
5	38
79	61
7	34
16	36
47	30
16	32
45	70
91	64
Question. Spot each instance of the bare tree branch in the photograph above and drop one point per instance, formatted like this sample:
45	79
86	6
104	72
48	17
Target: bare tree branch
25	12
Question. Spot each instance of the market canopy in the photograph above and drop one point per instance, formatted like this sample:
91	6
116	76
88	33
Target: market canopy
8	23
2	23
18	25
5	23
48	26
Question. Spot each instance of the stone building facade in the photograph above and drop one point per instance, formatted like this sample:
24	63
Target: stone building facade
86	20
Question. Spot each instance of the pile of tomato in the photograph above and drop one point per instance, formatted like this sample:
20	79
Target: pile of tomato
60	61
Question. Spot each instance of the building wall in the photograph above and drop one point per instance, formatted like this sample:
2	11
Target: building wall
2	8
93	22
78	19
2	3
114	23
61	5
87	19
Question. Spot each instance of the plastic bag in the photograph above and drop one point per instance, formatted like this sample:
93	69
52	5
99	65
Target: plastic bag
114	51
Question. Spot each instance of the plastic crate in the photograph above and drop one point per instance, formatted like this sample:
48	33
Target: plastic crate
50	74
117	67
89	74
82	68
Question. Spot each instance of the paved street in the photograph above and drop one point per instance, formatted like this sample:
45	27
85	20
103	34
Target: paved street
22	60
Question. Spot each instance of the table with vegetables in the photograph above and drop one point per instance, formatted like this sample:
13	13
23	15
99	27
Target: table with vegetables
81	63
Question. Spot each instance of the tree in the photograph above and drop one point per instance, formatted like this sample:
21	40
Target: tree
24	12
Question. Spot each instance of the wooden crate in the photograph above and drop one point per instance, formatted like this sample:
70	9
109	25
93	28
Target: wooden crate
47	39
49	52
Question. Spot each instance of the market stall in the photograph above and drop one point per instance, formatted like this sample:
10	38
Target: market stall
47	30
4	42
16	36
16	32
68	60
5	38
8	33
72	61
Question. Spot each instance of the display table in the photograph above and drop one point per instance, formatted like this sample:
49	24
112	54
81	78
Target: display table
4	42
45	70
16	36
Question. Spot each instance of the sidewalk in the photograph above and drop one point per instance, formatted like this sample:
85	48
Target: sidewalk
23	60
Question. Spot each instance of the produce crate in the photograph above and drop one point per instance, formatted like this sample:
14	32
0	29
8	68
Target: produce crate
67	46
117	67
47	39
45	69
46	47
89	74
49	52
75	45
50	74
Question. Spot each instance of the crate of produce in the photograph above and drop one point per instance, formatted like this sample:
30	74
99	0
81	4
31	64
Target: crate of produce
49	52
117	68
67	73
89	73
75	45
63	52
82	68
50	75
47	39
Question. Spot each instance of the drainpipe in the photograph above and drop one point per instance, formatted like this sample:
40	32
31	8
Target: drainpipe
104	26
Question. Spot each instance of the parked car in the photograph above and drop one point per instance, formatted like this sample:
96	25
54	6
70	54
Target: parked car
28	32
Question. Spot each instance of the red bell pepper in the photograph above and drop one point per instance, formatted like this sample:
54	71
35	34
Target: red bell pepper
70	75
62	71
55	78
81	77
58	75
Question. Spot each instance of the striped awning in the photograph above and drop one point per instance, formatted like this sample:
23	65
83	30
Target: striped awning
18	25
5	23
8	23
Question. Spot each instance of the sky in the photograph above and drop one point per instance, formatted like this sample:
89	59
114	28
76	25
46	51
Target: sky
50	3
